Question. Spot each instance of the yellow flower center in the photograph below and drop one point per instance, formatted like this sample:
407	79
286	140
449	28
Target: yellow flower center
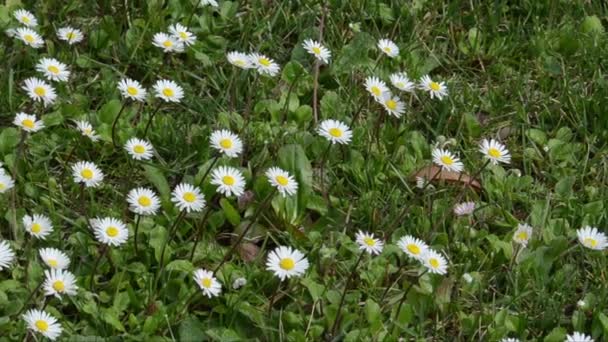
59	286
183	35
28	123
391	104
132	91
86	174
264	61
316	50
282	180
168	44
335	132
435	86
139	149
434	262
25	20
447	160
53	69
493	152
112	231
40	91
189	197
87	131
52	262
144	201
168	92
376	91
287	264
413	248
522	236
71	35
42	325
36	228
29	38
239	62
369	241
400	84
226	143
590	242
387	49
228	180
206	282
2	186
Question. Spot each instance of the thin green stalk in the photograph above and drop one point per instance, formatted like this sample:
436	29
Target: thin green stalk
348	280
102	252
122	108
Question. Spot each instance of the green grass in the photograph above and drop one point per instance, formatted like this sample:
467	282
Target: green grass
528	72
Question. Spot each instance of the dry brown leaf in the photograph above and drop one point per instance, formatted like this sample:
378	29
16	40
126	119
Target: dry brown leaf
248	251
431	171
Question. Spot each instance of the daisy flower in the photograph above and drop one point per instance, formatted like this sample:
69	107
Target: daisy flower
53	69
28	122
167	43
226	142
591	238
37	225
464	208
238	283
239	59
286	262
70	35
6	182
210	286
39	90
393	105
413	247
25	17
282	180
510	340
54	258
110	231
29	37
447	160
421	183
368	243
59	282
87	173
335	131
435	89
578	337
434	262
315	48
182	34
212	3
264	65
229	180
494	151
376	87
42	323
402	82
388	47
187	197
143	201
86	129
139	149
131	89
6	255
523	234
168	90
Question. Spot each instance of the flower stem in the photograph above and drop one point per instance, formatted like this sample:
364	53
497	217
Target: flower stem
15	171
124	104
136	231
407	291
171	232
274	294
322	170
393	283
215	159
198	231
149	123
102	252
29	298
343	297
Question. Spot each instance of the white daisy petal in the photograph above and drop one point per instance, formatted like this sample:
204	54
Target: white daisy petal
41	322
447	160
494	151
132	89
87	173
54	258
28	122
226	142
187	197
286	262
413	247
229	180
435	89
167	42
39	90
53	69
283	181
368	243
388	47
37	225
139	149
110	231
335	131
316	49
59	282
264	65
70	35
168	91
592	238
210	286
143	201
7	255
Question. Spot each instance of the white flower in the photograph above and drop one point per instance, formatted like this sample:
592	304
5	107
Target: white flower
523	234
167	43
54	258
210	286
368	243
59	282
434	262
28	122
286	262
182	34
139	149
376	87
435	89
202	3
38	225
29	37
413	247
316	49
264	65
402	82
43	323
6	255
447	160
238	283
581	304
388	47
495	151
39	90
187	197
132	89
226	142
53	69
578	337
393	104
591	238
86	129
468	278
87	173
25	17
421	183
70	35
510	340
229	180
110	231
282	180
464	208
6	182
143	201
10	32
239	59
335	131
168	90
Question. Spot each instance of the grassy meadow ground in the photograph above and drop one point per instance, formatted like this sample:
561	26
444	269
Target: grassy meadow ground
530	74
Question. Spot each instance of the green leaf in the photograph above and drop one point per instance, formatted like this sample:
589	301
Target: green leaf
231	214
9	138
331	105
293	159
564	186
191	329
110	316
373	314
556	335
156	177
180	265
108	111
292	72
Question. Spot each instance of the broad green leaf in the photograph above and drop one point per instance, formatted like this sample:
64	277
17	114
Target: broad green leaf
231	213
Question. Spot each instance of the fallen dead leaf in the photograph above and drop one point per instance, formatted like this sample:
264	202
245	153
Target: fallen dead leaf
431	171
248	251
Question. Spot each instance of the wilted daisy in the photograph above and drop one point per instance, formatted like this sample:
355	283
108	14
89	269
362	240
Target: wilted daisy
368	243
143	201
54	258
264	65
413	247
212	3
38	225
110	231
86	129
59	282
6	255
591	238
70	35
87	173
435	89
393	105
39	90
282	180
187	197
168	91
402	82
376	87
10	32
238	283
210	286
229	180
182	34
578	337
464	208
421	183
167	43
388	47
523	234
286	262
494	151
335	131
239	59
6	182
316	49
53	69
25	17
434	262
510	340
29	37
447	160
42	323
139	149
28	122
226	142
132	89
